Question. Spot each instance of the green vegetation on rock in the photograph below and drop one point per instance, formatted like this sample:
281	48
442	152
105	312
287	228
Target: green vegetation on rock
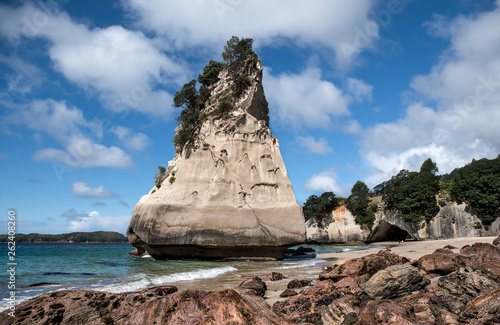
478	184
320	207
74	237
359	205
193	101
159	176
414	194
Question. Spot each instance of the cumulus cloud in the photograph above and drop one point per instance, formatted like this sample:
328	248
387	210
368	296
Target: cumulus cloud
67	125
360	90
318	147
80	189
334	25
125	68
465	85
138	141
326	181
305	99
93	221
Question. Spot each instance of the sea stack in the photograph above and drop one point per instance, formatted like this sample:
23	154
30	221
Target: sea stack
227	194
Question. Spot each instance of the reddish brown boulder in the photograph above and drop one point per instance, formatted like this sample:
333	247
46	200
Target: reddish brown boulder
396	281
294	284
274	276
182	307
364	266
438	263
377	312
454	291
288	293
496	241
254	284
482	250
485	309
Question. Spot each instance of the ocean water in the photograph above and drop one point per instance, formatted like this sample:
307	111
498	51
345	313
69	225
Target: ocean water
43	268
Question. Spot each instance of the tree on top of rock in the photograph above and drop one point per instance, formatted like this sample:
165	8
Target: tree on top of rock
359	205
414	194
320	207
236	48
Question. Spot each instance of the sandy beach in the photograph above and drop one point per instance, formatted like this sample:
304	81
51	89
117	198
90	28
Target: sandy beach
410	249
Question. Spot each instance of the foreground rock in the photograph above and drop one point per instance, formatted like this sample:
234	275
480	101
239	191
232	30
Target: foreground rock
381	288
184	307
229	195
364	267
396	281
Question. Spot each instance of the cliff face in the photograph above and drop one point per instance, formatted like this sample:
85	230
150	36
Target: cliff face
451	222
338	228
230	195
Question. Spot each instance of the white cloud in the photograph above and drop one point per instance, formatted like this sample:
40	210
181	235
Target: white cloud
304	99
138	141
359	89
465	85
318	147
93	221
125	68
352	127
68	126
80	189
334	25
326	181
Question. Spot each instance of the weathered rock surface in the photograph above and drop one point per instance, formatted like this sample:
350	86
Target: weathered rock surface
274	276
385	311
254	284
183	307
339	227
452	221
295	283
485	309
231	195
454	291
363	267
396	281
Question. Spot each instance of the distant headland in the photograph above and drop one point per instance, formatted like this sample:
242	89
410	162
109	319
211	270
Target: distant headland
73	237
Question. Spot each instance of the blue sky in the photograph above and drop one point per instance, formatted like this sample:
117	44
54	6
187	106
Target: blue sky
357	90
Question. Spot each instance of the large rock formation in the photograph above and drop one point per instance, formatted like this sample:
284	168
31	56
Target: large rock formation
338	228
452	221
229	195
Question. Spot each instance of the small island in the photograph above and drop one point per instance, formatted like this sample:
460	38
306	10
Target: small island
98	237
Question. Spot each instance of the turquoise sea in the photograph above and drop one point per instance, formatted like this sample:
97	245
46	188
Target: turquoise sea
44	268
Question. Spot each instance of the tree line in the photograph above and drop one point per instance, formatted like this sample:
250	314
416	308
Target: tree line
74	237
415	194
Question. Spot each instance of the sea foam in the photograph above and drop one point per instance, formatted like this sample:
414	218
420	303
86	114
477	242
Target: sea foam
142	281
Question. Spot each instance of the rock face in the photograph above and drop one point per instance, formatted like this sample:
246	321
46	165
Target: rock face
182	307
451	222
230	196
339	227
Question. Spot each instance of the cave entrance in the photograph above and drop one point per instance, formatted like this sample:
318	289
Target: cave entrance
387	232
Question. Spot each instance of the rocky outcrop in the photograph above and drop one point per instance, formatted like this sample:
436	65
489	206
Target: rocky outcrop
452	221
338	228
396	281
183	307
229	195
